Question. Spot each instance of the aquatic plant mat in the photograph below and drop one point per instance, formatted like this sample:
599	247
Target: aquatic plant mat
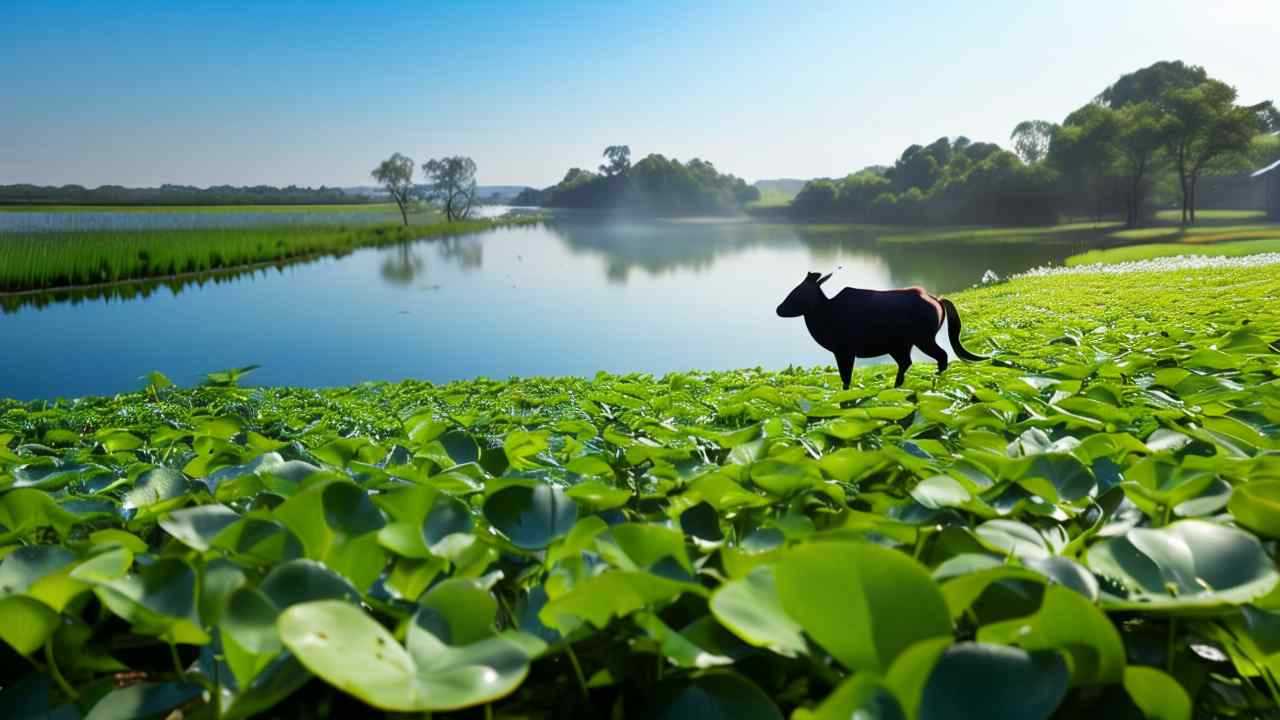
1084	525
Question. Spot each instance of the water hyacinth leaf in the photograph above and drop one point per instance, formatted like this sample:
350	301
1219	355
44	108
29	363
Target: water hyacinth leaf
521	447
301	581
156	486
531	517
962	591
160	599
974	680
27	565
1010	537
446	517
196	527
467	610
642	546
701	521
678	649
28	623
862	696
786	477
749	606
599	495
836	591
1187	565
48	474
1256	506
611	594
1068	573
351	651
1157	695
940	491
145	700
27	509
717	695
1071	623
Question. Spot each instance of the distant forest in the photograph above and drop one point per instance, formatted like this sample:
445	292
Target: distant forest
1167	135
655	185
175	195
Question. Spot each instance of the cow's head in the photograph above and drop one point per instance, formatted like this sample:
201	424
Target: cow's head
807	296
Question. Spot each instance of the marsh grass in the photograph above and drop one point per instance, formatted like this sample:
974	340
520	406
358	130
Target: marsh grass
51	260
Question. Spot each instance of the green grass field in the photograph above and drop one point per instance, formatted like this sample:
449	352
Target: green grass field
1211	216
327	208
49	260
1148	251
1086	522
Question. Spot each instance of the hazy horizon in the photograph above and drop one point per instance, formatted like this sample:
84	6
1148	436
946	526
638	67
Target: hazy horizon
283	94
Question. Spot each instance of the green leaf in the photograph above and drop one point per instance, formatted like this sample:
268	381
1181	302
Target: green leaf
1157	695
615	593
993	682
28	623
716	695
861	697
1069	622
145	700
196	527
862	603
159	485
1188	565
1256	505
531	517
348	649
785	477
749	606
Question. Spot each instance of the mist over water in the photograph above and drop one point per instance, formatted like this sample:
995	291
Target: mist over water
574	296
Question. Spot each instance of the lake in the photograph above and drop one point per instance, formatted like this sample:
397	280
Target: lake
572	296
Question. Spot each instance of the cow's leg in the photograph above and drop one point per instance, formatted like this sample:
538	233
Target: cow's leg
845	362
902	356
931	348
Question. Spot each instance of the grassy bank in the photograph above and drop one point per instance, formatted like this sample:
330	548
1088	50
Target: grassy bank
387	208
1073	523
52	260
1148	251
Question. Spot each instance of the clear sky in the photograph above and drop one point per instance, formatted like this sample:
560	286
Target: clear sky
310	93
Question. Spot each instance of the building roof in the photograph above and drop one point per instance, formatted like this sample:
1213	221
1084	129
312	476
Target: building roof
1266	169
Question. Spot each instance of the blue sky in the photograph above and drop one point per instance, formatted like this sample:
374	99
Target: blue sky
141	93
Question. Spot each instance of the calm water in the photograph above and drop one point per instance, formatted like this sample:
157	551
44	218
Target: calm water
570	297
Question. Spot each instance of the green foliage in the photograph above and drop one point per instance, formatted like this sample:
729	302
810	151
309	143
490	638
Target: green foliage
1084	525
655	185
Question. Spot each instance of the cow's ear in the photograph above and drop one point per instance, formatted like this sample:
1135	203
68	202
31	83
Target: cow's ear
810	277
824	278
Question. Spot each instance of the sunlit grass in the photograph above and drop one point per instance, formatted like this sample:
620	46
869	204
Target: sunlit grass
1212	215
345	208
1154	250
47	260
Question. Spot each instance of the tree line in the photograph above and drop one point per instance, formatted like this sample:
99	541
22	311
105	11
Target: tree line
26	194
1168	124
451	183
655	185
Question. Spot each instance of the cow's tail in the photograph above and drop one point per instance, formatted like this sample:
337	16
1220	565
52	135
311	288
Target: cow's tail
953	331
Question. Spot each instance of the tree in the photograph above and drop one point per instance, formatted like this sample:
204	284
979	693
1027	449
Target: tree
1031	140
396	175
1140	136
452	183
1203	124
619	157
1151	83
1084	147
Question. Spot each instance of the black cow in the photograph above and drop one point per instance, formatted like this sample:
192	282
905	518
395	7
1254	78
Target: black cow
867	323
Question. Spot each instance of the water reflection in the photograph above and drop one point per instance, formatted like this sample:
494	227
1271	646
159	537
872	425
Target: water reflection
571	296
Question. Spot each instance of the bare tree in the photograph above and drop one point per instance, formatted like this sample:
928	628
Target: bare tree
396	175
452	182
